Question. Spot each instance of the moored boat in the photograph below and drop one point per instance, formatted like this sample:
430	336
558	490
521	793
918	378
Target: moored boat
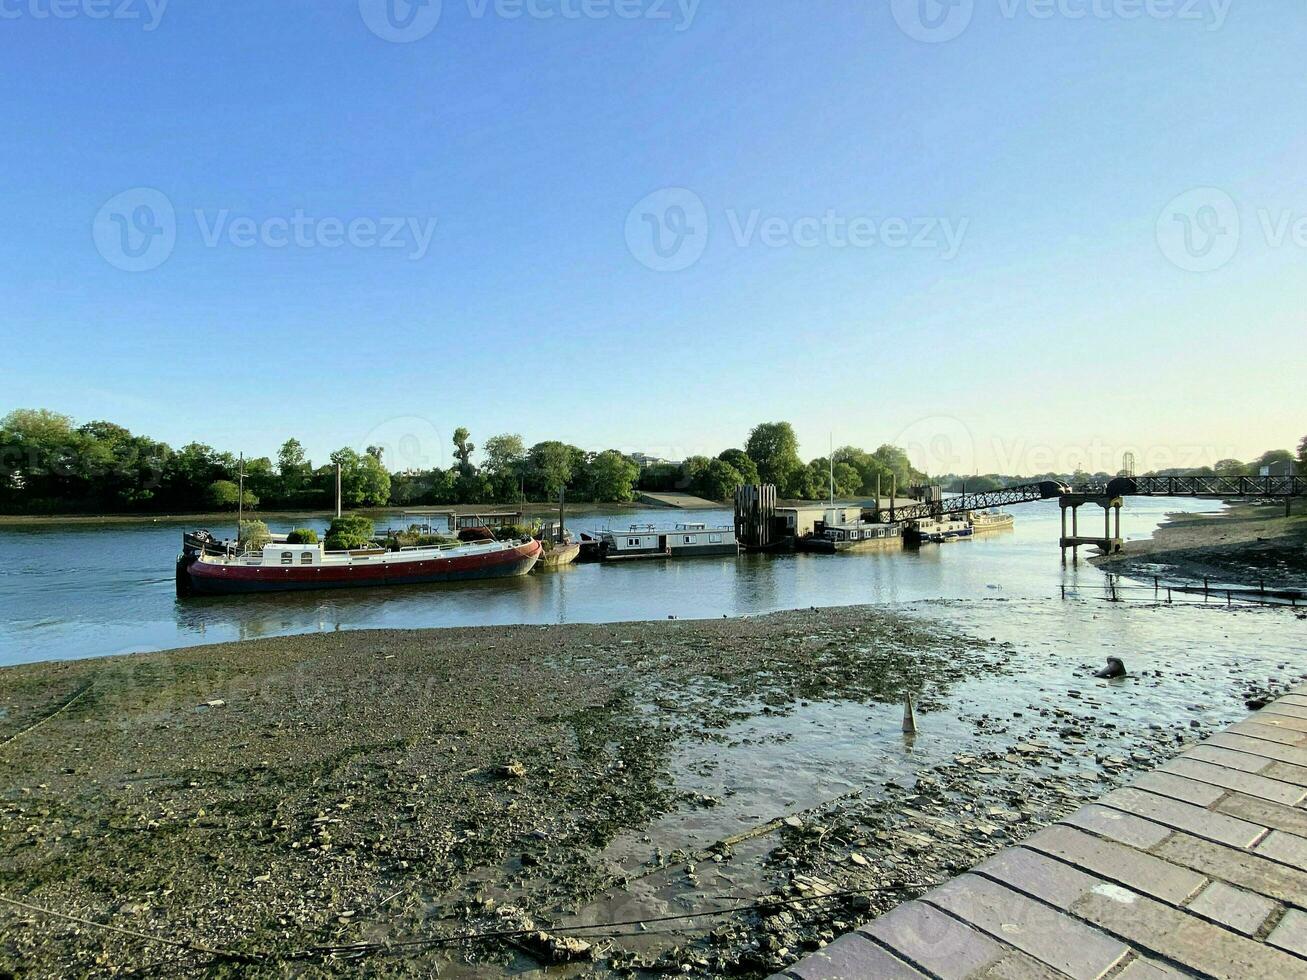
936	530
282	567
989	520
682	541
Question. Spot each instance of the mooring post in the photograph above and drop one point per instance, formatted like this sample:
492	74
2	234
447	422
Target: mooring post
909	715
1062	540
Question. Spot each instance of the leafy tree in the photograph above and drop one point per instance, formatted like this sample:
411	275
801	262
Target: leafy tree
363	480
504	453
612	477
550	467
719	480
691	470
349	532
225	495
1230	467
742	463
848	481
1302	452
302	535
253	535
293	466
774	448
463	449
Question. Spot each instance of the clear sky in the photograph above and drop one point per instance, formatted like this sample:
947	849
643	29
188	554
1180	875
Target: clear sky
1075	228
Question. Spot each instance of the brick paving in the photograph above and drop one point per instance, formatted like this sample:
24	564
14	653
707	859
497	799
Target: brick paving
1197	869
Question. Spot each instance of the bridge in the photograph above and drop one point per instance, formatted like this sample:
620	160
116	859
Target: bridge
1109	496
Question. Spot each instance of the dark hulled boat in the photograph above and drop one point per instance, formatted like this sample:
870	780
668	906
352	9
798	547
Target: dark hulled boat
281	567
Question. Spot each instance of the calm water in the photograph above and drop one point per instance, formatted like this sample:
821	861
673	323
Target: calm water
86	590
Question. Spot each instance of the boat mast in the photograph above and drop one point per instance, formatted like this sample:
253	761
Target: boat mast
240	501
338	490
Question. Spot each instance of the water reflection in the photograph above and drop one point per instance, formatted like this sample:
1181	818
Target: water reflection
82	590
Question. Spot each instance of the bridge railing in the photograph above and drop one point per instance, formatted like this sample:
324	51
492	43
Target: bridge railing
1207	486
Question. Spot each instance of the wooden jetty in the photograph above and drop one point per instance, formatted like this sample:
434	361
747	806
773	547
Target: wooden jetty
1196	869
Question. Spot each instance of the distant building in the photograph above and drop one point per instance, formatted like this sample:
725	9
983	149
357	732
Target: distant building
645	461
1284	467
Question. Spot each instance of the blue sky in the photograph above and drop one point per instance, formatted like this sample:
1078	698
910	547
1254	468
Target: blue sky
974	246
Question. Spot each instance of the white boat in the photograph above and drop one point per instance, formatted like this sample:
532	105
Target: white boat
681	541
989	520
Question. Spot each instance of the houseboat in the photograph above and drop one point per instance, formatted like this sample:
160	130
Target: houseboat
682	541
861	536
282	567
989	520
936	530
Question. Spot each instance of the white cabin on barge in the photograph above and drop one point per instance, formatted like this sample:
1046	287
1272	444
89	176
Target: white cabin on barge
682	541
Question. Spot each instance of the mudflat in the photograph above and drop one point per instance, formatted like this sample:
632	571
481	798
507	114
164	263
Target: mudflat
1246	544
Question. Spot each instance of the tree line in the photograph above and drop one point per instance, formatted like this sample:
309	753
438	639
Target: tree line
1275	458
50	465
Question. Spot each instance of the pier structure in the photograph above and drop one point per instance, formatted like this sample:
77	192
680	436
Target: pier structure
1110	541
1195	869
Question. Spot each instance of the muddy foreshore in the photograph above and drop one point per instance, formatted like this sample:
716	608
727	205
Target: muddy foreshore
1246	544
362	802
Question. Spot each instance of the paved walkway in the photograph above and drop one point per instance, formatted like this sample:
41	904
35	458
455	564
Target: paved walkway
1198	868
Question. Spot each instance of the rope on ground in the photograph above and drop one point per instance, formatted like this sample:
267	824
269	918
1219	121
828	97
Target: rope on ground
57	711
148	937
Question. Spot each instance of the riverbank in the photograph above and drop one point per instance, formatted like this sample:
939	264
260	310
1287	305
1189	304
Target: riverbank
1246	544
290	799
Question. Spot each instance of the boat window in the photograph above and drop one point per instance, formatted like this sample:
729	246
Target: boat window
689	539
306	558
288	557
714	539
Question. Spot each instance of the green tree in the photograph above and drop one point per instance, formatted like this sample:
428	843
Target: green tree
349	532
742	463
719	480
549	468
1230	467
612	477
463	449
504	453
224	495
774	449
1302	452
364	482
293	466
691	470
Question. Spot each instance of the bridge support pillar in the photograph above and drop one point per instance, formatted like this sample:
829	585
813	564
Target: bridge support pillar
1109	543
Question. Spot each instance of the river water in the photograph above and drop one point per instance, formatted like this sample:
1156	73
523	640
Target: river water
85	590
